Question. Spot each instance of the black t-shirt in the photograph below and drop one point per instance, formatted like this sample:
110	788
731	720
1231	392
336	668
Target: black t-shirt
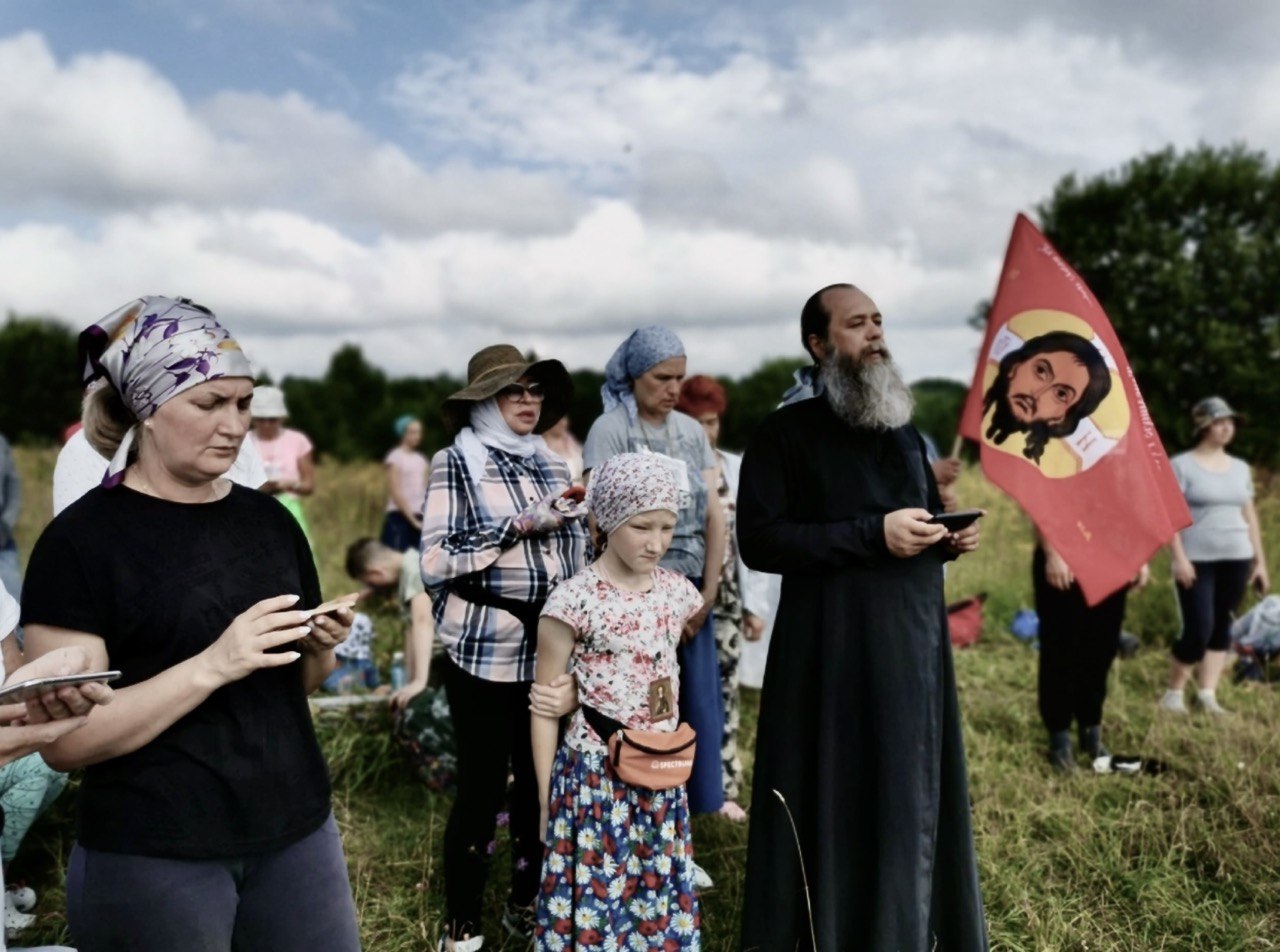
159	582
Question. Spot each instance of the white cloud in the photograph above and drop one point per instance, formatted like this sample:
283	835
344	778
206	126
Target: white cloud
106	132
569	179
281	280
931	139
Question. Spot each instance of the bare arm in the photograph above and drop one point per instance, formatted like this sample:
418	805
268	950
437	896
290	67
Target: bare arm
306	483
555	645
714	559
419	641
397	497
1184	573
1259	577
141	712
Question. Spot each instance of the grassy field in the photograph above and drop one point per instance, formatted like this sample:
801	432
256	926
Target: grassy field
1188	860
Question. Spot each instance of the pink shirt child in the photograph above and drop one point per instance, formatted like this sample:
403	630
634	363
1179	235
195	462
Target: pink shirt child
280	456
409	470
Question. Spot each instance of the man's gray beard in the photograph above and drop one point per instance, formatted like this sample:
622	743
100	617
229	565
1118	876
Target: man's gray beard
871	396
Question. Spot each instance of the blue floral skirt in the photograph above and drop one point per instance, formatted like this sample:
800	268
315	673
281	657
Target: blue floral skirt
618	871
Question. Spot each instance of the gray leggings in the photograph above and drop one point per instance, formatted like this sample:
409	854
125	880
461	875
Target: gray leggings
297	899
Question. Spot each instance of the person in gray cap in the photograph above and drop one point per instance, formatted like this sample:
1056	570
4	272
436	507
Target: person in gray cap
1215	558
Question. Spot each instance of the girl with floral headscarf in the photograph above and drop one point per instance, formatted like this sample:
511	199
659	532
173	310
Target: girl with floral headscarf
641	389
205	818
619	861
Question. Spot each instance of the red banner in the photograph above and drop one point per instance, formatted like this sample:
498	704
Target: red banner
1061	425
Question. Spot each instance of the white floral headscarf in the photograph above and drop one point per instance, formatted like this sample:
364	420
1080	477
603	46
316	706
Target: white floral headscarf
627	484
153	349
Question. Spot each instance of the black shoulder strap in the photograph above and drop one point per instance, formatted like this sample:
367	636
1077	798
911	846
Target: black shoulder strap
602	724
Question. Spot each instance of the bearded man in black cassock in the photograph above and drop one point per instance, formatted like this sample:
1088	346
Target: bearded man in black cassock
859	728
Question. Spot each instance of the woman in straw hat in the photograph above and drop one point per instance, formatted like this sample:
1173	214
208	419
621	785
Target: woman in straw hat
1216	558
498	533
205	819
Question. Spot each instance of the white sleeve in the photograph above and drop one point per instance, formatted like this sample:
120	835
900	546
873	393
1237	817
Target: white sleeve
248	469
9	614
79	468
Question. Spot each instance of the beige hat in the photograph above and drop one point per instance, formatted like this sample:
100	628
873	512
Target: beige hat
501	365
268	404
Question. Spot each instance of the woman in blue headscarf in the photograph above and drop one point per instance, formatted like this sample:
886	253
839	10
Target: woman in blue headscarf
407	471
642	386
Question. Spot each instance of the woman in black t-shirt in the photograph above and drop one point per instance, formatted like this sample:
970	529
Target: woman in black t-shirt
204	820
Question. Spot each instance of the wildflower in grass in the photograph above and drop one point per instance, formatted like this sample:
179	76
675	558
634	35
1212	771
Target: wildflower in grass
503	818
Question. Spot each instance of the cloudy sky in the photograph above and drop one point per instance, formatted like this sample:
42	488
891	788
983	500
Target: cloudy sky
424	178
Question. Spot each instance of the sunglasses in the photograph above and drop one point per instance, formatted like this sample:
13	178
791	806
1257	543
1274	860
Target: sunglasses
517	391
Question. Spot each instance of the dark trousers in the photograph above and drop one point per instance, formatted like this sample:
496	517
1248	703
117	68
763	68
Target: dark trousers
296	899
398	532
492	731
1207	607
1077	646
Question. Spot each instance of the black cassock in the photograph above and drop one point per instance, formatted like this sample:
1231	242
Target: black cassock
859	727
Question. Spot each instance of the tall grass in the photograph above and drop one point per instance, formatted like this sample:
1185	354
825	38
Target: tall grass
1187	860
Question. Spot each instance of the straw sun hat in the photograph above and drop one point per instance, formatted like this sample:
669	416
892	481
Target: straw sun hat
499	366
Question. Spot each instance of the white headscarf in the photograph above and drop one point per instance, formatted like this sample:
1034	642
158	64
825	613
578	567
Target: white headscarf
489	429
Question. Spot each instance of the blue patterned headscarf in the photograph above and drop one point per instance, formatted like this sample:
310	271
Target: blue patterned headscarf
153	349
645	348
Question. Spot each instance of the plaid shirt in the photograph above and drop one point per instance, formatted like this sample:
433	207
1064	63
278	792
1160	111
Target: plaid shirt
467	531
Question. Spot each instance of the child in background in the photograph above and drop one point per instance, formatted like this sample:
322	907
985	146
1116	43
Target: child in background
381	567
619	864
356	668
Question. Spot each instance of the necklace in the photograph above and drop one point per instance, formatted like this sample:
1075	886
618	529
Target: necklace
145	487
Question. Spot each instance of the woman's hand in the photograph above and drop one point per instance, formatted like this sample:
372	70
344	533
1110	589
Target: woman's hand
556	699
752	626
1142	578
1259	579
326	632
696	621
1184	573
71	701
1056	571
246	645
551	512
404	696
18	741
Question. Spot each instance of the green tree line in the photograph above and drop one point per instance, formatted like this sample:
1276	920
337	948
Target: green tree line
1182	249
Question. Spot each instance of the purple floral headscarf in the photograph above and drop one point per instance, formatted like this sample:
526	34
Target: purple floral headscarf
627	484
153	349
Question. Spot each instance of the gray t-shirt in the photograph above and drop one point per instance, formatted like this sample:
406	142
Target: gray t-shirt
1217	500
682	437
